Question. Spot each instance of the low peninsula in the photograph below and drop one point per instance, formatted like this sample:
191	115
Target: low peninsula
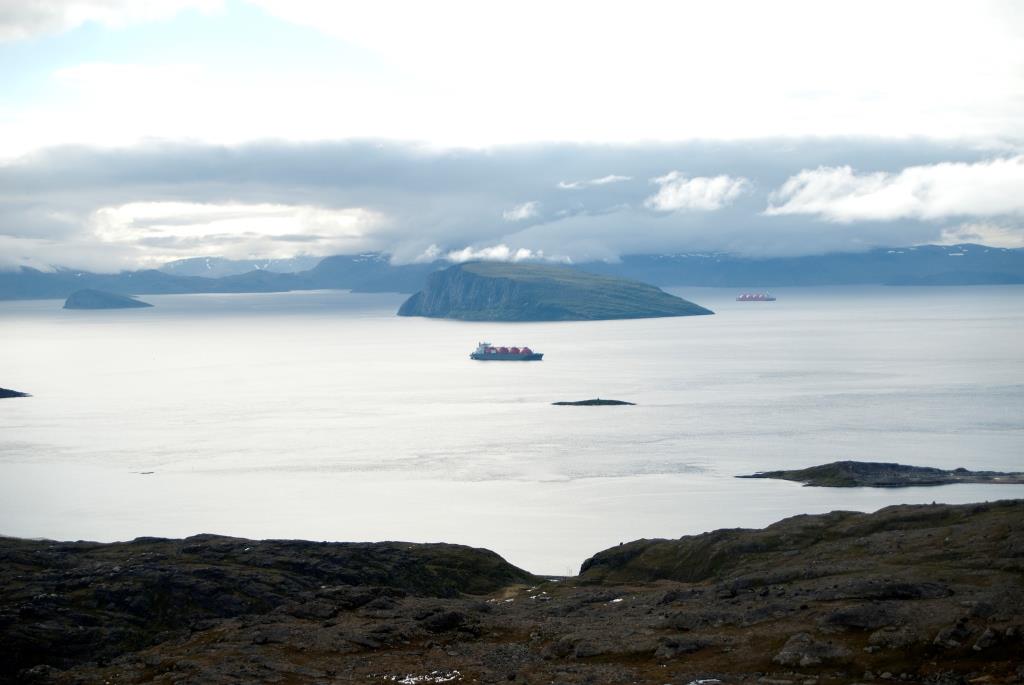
926	594
597	402
101	299
7	392
499	291
869	474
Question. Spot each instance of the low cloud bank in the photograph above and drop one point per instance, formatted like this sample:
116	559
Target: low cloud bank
109	209
493	253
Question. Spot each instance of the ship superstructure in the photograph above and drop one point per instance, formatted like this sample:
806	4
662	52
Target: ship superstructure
486	352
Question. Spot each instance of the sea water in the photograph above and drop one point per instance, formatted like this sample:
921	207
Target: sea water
321	415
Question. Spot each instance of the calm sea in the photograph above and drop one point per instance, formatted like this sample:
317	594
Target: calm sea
321	415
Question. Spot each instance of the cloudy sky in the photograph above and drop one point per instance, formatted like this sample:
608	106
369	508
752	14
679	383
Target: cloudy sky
134	132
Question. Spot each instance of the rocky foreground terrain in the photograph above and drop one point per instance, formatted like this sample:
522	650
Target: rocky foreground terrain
911	594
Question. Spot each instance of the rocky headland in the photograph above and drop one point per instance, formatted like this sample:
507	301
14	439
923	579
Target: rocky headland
7	392
910	594
852	474
498	291
597	402
100	299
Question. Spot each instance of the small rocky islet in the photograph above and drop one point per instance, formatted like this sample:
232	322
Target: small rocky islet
7	392
916	594
89	298
596	402
871	474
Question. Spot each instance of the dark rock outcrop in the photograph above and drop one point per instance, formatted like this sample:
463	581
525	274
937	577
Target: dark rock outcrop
850	474
495	291
65	603
100	299
6	392
742	558
804	650
593	403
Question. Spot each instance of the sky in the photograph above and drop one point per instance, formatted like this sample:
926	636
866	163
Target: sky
137	132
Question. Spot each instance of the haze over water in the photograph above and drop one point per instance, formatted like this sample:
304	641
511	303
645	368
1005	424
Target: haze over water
323	416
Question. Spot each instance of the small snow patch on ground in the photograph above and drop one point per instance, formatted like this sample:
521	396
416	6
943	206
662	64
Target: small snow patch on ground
432	677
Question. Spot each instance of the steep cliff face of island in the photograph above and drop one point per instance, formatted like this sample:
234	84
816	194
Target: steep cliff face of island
490	291
100	299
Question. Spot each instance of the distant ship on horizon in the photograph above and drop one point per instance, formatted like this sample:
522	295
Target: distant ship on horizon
755	297
487	352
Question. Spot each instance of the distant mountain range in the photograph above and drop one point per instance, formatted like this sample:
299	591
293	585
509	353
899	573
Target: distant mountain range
217	267
966	264
922	265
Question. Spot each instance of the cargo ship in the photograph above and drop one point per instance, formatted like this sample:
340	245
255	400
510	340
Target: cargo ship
487	352
755	297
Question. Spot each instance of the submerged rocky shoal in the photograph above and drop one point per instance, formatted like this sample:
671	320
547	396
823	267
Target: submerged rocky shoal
919	594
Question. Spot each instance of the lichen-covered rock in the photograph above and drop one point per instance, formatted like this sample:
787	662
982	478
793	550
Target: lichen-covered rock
803	650
895	637
869	616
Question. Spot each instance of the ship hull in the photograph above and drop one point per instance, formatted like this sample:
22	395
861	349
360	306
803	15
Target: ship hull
497	357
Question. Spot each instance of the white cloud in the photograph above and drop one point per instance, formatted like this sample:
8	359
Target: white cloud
26	18
166	230
610	178
18	252
522	212
994	235
702	193
990	188
431	254
495	253
274	199
604	180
